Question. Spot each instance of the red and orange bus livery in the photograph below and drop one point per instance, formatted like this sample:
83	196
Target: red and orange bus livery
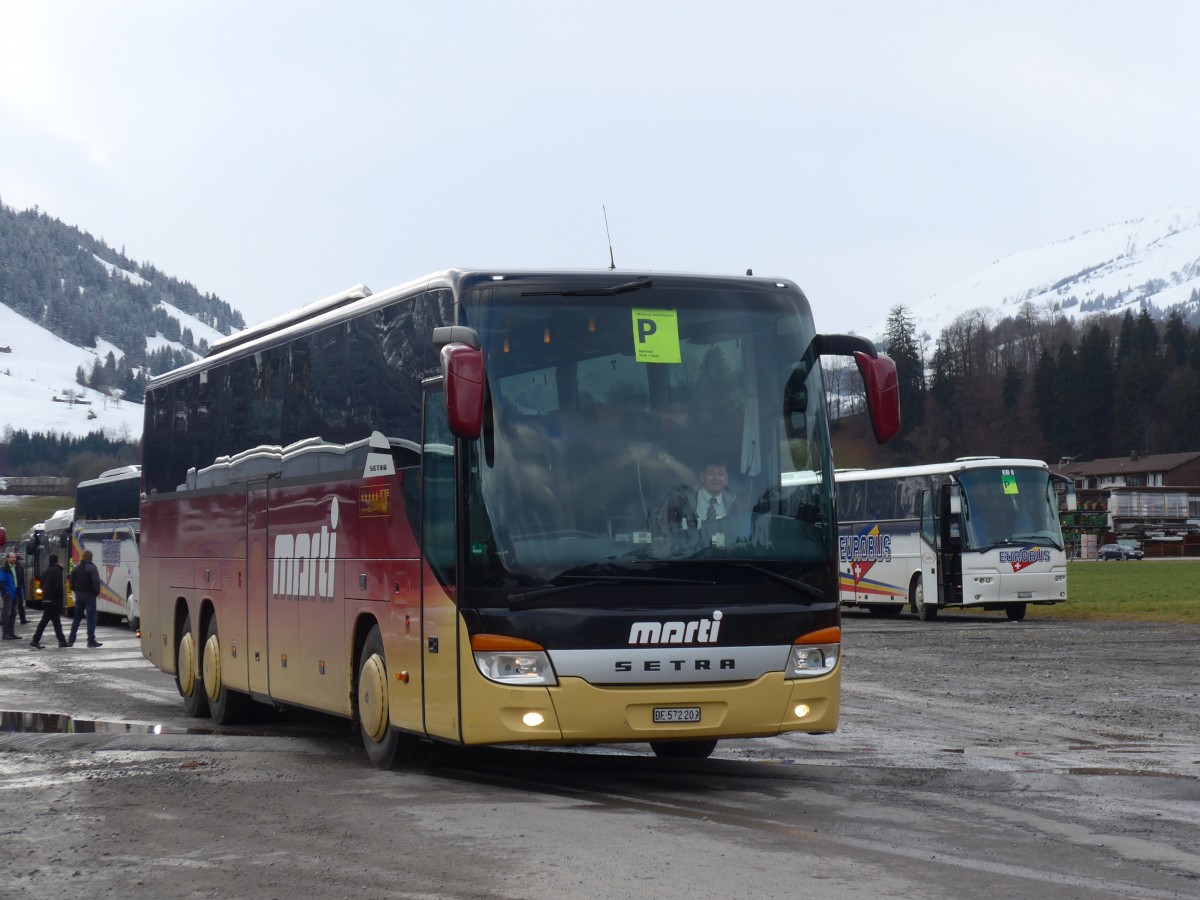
463	510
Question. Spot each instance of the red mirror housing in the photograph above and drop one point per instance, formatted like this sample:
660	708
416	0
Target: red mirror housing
465	384
883	393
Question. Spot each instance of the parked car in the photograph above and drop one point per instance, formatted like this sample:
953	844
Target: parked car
1118	551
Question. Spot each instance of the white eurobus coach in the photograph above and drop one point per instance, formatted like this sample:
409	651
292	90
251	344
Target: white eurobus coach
976	533
106	521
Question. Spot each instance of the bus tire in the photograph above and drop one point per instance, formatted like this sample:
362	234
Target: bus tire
380	740
190	686
135	621
683	749
228	707
1015	612
925	612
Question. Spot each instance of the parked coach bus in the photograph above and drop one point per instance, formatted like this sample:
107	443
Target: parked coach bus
979	532
106	522
35	557
56	538
462	511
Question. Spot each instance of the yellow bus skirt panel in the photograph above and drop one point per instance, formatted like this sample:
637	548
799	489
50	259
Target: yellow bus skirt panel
577	712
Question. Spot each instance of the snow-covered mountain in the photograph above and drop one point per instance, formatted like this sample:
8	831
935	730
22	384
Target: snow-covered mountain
1154	261
38	391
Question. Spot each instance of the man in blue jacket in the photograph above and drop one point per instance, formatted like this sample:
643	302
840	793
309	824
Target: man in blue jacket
8	591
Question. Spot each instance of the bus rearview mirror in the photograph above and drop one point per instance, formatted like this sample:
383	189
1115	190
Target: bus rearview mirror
879	377
883	394
462	367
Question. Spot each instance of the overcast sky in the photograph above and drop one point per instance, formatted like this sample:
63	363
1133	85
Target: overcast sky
874	152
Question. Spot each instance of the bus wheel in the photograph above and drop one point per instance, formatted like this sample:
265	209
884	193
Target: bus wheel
884	612
227	707
683	749
1015	612
379	738
194	701
925	612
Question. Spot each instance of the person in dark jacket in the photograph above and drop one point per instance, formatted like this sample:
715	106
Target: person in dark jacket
18	567
85	582
52	603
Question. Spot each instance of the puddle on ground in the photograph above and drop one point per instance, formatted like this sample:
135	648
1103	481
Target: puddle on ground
1138	773
53	723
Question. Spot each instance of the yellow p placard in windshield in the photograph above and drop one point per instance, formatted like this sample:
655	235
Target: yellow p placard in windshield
656	336
1008	478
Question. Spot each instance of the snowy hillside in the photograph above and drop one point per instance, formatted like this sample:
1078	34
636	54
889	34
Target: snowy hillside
1155	261
37	380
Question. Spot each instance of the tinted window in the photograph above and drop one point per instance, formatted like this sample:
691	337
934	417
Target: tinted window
338	384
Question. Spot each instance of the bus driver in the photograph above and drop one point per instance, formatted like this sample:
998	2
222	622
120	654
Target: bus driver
704	514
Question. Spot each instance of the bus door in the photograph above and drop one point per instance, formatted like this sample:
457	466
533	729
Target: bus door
439	544
927	545
258	589
949	581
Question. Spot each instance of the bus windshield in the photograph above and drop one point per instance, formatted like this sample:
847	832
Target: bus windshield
661	433
1009	507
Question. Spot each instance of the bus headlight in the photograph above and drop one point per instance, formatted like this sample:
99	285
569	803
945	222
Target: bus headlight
815	653
514	661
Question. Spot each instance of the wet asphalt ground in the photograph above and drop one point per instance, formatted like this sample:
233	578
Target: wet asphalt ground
975	757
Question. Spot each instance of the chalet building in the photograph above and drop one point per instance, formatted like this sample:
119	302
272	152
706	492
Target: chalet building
1152	500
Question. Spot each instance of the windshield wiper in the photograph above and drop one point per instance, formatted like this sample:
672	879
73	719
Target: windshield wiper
1038	539
629	286
516	601
782	579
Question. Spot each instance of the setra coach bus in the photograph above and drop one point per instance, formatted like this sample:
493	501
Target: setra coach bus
462	511
980	532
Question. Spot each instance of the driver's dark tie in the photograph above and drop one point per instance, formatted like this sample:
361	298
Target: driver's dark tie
712	508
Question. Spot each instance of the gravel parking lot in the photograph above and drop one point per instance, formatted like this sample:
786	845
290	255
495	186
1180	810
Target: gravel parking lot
976	756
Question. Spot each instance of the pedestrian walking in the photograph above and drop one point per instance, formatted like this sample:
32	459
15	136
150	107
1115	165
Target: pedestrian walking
14	560
52	604
8	593
85	582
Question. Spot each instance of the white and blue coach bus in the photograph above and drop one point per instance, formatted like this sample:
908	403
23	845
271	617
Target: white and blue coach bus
977	533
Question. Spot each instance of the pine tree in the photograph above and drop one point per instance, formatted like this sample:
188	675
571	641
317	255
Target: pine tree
901	342
1175	338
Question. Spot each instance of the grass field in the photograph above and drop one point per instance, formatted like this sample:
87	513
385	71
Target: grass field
19	514
1145	591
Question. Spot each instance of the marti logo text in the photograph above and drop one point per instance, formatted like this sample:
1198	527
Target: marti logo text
303	563
700	631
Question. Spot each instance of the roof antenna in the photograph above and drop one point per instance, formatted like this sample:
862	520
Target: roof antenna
612	262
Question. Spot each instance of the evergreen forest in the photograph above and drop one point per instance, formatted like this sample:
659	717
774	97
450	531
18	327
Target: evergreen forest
1035	385
55	275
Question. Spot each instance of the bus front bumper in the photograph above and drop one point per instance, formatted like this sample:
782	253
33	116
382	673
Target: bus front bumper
576	712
